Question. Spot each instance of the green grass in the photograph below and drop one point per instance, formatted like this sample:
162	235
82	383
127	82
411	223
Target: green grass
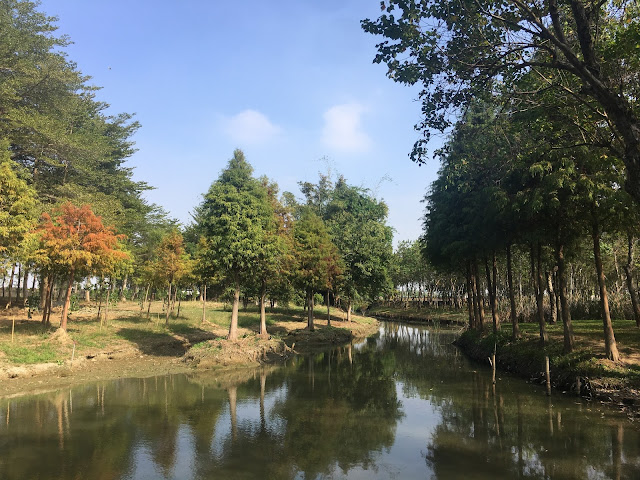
527	356
92	339
425	313
126	323
29	355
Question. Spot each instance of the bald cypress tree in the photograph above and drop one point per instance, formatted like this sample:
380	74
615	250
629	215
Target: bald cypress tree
235	218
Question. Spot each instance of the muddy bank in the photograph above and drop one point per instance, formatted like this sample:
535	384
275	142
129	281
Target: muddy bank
580	373
151	355
253	350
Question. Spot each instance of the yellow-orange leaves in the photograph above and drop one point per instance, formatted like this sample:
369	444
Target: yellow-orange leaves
76	242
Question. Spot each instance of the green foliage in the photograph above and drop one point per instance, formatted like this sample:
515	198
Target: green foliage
17	204
357	224
314	252
234	220
460	51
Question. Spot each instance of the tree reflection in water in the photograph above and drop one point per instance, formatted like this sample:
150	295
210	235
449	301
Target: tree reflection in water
403	404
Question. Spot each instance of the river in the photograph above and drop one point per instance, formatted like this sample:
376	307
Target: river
404	404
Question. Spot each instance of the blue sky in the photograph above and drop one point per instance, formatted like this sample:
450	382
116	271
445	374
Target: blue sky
291	83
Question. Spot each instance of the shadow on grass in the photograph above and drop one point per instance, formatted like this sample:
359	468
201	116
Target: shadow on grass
165	343
27	327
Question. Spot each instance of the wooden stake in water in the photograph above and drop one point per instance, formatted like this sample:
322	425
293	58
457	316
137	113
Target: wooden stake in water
493	364
547	375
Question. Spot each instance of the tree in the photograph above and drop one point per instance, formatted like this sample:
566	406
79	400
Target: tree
580	49
171	263
314	254
17	202
235	218
356	221
77	242
274	262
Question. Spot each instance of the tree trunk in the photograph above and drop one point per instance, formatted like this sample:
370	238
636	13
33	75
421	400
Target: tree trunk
328	309
100	301
515	330
67	301
628	270
167	311
611	349
19	282
203	295
492	287
174	298
470	297
44	287
479	296
125	286
553	315
106	303
46	298
233	395
263	314
59	294
233	326
49	299
536	274
33	284
13	272
564	302
146	296
349	303
310	310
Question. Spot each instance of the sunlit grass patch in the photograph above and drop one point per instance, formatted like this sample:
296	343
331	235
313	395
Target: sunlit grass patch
20	354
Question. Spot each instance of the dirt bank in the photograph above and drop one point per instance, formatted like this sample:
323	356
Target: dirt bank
134	349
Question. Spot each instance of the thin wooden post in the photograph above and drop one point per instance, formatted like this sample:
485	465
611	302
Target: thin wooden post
493	364
13	326
547	375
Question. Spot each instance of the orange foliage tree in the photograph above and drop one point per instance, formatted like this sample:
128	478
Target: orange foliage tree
171	264
76	242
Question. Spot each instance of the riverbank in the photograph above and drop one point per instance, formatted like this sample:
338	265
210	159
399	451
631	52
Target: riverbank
583	372
129	344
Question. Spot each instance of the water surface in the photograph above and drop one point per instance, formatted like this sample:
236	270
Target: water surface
404	404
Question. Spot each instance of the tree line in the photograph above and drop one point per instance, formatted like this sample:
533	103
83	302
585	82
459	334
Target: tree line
541	161
72	218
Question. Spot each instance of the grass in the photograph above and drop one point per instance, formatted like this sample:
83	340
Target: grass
129	326
19	354
526	356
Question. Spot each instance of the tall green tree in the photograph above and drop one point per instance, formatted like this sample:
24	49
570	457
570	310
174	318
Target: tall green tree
580	49
315	254
235	220
17	204
357	223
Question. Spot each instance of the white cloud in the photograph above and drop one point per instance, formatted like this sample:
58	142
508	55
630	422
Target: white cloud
342	129
250	126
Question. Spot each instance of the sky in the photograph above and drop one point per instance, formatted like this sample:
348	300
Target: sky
290	82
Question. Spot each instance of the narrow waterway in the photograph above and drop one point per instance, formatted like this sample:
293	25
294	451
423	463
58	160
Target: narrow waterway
405	404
